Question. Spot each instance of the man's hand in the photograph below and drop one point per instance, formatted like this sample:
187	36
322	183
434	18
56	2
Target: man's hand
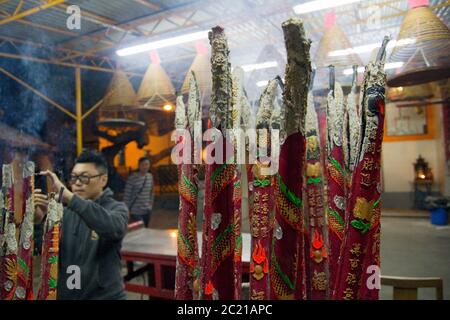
40	204
66	196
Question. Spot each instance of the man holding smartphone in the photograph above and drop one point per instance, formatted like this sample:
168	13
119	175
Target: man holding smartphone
93	227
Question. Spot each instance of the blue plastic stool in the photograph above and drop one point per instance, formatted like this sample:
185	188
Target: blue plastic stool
439	217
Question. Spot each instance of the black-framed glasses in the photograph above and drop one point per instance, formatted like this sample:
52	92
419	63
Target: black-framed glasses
84	179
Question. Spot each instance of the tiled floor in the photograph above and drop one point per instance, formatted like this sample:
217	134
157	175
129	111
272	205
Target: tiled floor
413	247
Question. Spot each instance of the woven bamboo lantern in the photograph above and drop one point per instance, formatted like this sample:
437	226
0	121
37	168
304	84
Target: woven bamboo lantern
427	58
334	39
156	89
202	69
120	95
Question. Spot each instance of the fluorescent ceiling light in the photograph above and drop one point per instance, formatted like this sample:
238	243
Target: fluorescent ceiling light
349	71
163	43
318	5
262	83
393	65
370	47
258	66
387	66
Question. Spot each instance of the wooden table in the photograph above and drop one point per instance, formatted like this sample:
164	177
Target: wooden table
157	250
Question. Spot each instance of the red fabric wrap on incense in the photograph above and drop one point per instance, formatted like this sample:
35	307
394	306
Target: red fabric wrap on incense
358	273
218	274
336	180
50	251
287	268
187	278
263	199
316	247
24	288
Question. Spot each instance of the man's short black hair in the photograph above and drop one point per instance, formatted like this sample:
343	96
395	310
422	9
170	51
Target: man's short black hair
95	157
144	159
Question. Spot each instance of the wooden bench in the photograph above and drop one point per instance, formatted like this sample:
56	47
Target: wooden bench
406	288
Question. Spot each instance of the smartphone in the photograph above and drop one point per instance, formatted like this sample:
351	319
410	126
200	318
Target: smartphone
40	182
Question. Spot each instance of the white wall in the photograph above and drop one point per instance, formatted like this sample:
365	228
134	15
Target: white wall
398	159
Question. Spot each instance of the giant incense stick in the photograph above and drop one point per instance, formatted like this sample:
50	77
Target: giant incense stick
8	254
358	273
287	271
24	288
352	127
316	248
50	250
218	278
188	270
336	196
240	123
262	216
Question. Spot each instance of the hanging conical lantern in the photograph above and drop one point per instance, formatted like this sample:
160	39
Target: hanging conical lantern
120	95
426	58
334	40
156	89
202	69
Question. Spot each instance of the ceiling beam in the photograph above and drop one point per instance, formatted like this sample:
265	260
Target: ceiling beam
54	30
136	23
148	4
363	21
101	20
14	40
19	7
39	26
18	16
64	64
90	52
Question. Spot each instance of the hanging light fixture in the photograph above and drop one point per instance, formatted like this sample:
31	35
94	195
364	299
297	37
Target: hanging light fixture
427	58
156	89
